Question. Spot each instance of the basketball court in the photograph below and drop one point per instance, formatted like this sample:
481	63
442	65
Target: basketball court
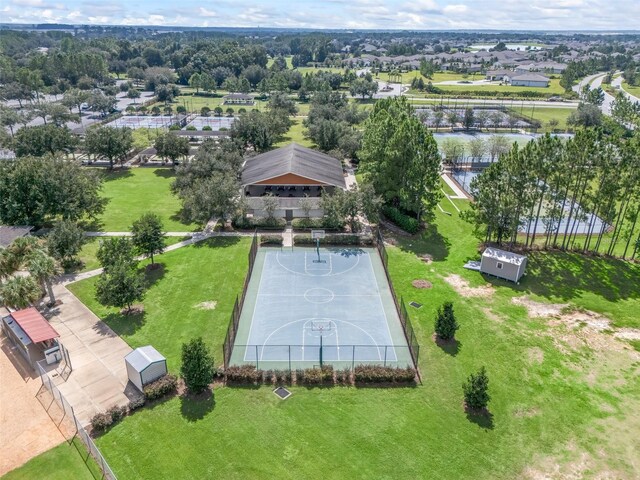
311	306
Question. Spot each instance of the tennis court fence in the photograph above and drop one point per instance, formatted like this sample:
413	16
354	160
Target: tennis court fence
232	329
62	414
405	320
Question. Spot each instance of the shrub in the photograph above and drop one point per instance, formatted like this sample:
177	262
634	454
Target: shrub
372	374
312	223
117	413
334	240
101	421
159	388
262	223
136	403
207	128
242	374
317	376
446	324
197	365
271	240
191	128
343	377
405	222
476	394
175	127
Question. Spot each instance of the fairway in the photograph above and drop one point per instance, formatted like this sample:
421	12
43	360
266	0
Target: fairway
305	307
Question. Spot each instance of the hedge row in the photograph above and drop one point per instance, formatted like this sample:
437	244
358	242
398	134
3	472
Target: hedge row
405	222
334	240
159	388
261	223
325	376
271	240
376	374
311	223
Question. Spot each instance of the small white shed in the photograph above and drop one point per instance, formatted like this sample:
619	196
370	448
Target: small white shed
503	264
144	365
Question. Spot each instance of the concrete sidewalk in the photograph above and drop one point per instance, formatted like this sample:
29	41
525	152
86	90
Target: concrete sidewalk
99	377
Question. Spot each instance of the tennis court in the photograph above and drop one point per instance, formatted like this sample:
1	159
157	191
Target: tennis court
216	123
307	307
143	121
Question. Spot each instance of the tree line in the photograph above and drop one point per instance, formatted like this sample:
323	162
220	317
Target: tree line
585	192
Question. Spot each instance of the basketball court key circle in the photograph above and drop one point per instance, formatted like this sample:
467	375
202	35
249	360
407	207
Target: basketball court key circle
319	295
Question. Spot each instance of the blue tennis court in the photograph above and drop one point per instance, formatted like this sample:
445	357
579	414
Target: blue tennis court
306	307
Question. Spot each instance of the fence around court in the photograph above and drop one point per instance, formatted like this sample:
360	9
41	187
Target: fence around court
292	357
232	329
62	414
405	320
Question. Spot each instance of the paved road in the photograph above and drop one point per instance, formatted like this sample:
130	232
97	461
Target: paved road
617	83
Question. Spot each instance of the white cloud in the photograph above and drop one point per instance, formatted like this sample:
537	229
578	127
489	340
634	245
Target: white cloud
207	13
456	9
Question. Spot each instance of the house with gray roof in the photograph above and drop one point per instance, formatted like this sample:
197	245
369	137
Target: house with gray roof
290	174
528	80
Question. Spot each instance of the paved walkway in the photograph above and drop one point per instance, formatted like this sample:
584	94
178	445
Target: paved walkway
456	189
99	377
26	430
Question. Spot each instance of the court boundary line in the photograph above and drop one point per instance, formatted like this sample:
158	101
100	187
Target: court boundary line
305	274
382	306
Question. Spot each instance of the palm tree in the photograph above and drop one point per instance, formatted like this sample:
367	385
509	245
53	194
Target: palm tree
43	267
20	292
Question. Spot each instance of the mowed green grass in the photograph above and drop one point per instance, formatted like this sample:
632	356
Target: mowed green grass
635	90
64	462
543	115
87	256
295	134
135	191
552	403
209	271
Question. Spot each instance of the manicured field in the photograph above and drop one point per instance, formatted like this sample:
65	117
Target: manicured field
87	255
635	91
564	399
295	134
64	462
437	77
135	191
543	115
210	271
554	88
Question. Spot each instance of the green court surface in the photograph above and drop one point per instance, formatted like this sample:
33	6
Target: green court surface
306	307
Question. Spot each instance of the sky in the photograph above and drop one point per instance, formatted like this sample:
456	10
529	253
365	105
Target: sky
344	14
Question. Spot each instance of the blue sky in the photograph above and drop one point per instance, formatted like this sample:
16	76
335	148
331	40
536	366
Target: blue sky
396	14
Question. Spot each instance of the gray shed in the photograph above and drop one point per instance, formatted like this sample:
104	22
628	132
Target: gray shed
144	365
503	264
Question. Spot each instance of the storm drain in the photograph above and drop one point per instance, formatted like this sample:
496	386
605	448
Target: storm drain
415	304
282	392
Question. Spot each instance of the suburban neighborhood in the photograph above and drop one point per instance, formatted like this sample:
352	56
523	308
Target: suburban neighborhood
372	249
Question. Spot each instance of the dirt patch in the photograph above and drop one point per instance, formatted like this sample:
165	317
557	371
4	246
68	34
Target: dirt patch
422	283
426	258
539	309
535	355
627	333
573	329
525	412
134	310
209	305
462	287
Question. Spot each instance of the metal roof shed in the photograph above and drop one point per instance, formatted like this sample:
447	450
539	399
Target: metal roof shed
144	365
503	264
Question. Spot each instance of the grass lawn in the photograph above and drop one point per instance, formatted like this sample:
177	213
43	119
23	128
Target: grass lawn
87	255
135	191
295	134
558	400
191	275
635	91
543	115
64	462
554	88
437	77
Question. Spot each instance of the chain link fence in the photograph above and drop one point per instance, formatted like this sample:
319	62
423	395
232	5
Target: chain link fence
62	414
